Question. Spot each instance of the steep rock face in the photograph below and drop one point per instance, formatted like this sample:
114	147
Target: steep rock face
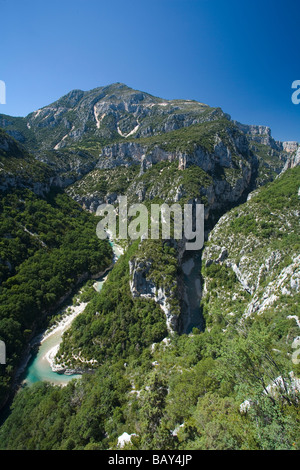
141	286
110	112
251	261
229	171
261	134
121	154
222	186
172	280
226	146
290	147
18	168
293	160
286	283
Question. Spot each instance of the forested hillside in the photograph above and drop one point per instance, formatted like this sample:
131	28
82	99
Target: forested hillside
232	386
47	245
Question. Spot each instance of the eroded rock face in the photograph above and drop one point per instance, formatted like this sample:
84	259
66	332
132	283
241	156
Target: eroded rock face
249	266
251	275
294	159
140	286
129	153
290	147
261	134
230	166
108	112
286	283
235	158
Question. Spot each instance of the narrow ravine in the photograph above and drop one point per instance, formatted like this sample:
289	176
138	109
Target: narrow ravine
191	313
39	367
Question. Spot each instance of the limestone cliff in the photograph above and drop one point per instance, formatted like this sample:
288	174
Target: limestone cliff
251	263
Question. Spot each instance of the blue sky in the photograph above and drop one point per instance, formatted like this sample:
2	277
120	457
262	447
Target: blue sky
240	55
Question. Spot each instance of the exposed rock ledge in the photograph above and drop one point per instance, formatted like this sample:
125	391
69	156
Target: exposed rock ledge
140	286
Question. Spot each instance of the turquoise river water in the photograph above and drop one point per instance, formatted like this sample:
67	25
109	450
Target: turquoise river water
39	367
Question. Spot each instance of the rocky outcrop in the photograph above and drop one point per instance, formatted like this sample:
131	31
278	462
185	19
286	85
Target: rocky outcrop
141	286
290	147
249	266
286	283
293	160
109	112
120	154
260	134
146	155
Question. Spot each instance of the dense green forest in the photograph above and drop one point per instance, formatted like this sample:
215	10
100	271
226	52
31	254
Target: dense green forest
211	389
114	325
46	245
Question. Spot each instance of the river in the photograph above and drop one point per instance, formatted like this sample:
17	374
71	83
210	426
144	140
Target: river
191	312
39	367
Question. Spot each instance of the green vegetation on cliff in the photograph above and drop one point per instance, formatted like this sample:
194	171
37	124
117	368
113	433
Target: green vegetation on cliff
45	246
217	389
260	245
114	325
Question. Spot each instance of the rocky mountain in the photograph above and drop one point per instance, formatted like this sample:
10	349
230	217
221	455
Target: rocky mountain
107	113
72	133
83	130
